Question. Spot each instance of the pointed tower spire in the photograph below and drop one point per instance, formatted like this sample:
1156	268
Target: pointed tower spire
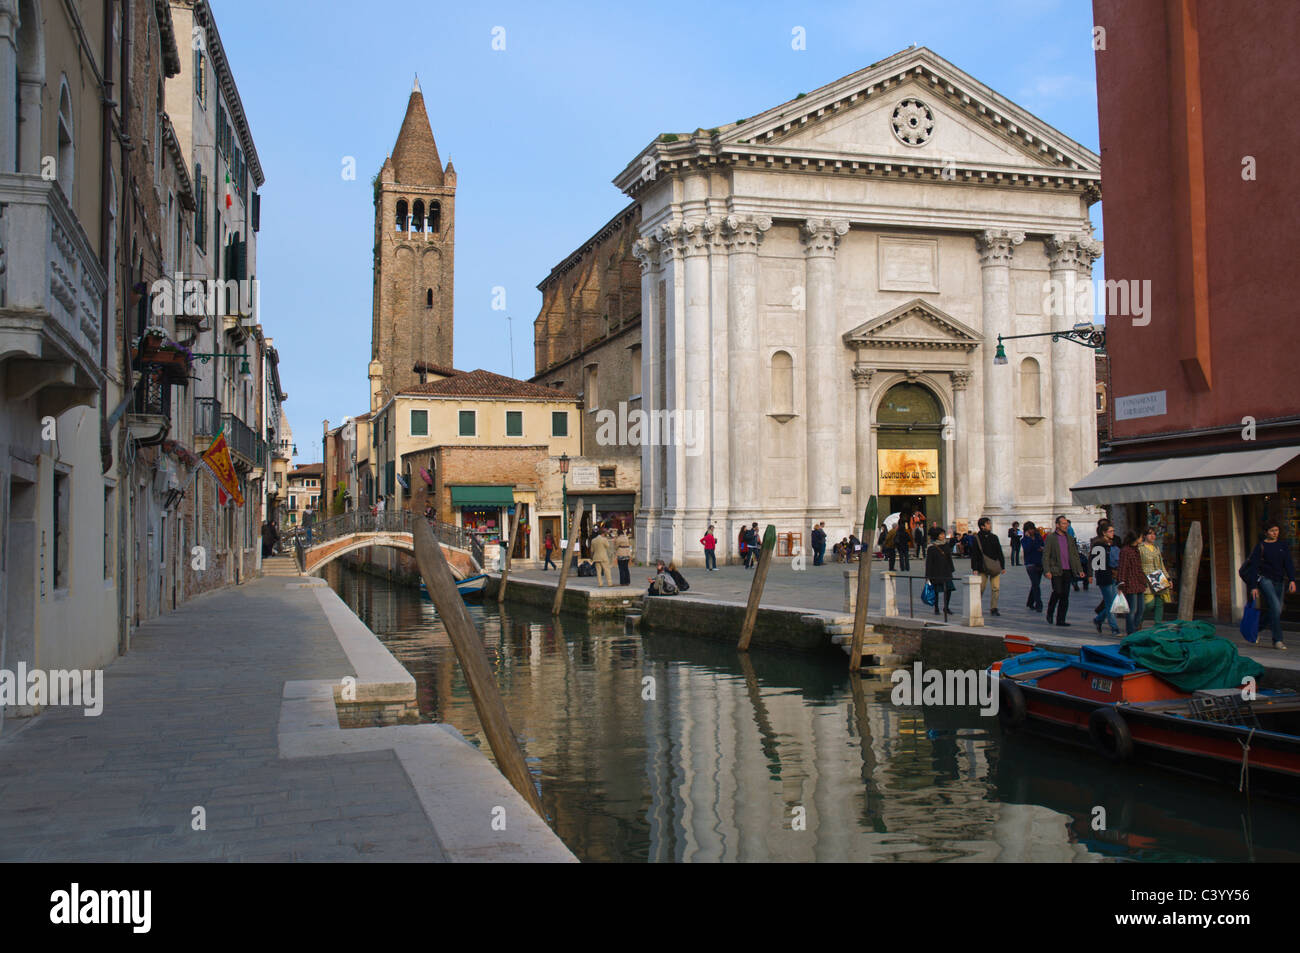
415	155
416	87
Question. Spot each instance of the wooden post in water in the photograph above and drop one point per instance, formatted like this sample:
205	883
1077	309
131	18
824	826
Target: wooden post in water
474	663
568	558
756	587
864	584
1191	569
508	558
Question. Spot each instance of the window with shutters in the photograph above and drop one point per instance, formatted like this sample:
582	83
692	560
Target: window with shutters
514	423
200	208
419	423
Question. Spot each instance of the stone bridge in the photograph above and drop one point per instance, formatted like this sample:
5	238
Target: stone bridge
329	539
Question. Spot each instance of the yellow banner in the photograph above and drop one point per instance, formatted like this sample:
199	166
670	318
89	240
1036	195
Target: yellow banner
217	457
908	472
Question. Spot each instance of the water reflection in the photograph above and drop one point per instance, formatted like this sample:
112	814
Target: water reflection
668	748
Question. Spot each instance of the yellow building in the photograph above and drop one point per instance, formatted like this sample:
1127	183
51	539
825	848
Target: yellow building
465	447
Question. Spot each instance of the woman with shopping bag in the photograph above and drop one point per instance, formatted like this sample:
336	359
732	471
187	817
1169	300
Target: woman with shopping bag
1105	560
1160	583
939	570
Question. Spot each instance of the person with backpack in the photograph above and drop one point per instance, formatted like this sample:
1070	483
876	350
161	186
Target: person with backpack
678	578
1271	574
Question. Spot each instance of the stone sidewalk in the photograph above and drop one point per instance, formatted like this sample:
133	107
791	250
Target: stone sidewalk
193	717
821	588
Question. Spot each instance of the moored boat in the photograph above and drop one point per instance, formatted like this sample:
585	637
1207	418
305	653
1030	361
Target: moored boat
470	588
1103	699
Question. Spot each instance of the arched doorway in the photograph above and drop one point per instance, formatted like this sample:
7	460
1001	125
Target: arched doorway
910	452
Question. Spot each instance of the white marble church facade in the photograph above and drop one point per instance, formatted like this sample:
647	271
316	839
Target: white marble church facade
800	265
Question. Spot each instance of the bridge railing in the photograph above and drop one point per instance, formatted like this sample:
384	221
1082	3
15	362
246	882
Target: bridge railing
389	521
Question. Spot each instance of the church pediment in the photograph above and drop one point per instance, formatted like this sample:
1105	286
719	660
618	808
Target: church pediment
916	325
914	107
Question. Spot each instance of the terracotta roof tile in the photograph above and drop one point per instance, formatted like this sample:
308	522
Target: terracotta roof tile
481	383
435	369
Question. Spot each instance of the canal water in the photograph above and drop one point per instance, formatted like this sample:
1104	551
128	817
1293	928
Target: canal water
656	747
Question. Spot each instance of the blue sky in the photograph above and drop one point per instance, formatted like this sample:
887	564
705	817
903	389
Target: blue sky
538	130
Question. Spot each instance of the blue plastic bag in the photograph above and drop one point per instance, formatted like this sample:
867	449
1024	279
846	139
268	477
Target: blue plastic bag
1250	622
927	594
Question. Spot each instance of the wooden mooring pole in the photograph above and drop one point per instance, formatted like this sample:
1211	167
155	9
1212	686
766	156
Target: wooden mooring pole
756	587
864	584
474	663
507	558
1191	569
568	558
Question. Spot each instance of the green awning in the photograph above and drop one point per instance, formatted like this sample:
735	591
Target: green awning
482	496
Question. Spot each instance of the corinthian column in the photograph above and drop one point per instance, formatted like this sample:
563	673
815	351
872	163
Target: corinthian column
646	251
864	442
961	463
693	424
820	348
996	248
743	236
1074	426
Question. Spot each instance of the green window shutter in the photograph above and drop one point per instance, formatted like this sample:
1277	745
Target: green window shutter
468	426
559	423
514	423
419	423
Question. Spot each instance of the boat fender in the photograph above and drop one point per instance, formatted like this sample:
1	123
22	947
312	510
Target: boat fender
1011	705
1109	732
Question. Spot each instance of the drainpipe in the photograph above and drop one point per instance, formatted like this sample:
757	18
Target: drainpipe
105	236
126	574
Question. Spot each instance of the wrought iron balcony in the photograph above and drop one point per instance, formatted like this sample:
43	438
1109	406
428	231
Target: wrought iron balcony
242	440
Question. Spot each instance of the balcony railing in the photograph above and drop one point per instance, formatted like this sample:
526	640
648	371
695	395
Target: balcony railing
240	437
207	417
390	521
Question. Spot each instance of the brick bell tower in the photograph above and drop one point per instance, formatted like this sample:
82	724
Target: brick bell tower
415	214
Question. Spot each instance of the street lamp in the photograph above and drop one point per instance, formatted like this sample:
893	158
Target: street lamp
564	496
1083	333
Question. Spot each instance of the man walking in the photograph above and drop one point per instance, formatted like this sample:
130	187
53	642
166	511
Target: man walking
600	557
1061	565
1014	534
819	543
986	559
623	551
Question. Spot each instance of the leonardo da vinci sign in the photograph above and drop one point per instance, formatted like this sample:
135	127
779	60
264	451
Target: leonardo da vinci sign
908	472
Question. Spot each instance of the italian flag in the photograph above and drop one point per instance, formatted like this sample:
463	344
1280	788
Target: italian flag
229	200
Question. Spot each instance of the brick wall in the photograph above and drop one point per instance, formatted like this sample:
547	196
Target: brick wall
500	466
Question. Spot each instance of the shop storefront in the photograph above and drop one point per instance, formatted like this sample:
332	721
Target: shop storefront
1230	495
483	510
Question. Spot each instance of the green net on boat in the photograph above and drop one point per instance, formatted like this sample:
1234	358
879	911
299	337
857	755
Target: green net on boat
1190	656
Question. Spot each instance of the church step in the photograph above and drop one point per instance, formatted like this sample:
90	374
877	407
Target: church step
868	638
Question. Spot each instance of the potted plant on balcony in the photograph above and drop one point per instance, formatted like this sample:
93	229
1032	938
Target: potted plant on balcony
154	347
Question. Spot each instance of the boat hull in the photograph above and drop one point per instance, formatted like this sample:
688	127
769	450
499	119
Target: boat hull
1186	745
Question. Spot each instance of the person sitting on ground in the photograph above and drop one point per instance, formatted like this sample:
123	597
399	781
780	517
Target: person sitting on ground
854	545
682	584
662	584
